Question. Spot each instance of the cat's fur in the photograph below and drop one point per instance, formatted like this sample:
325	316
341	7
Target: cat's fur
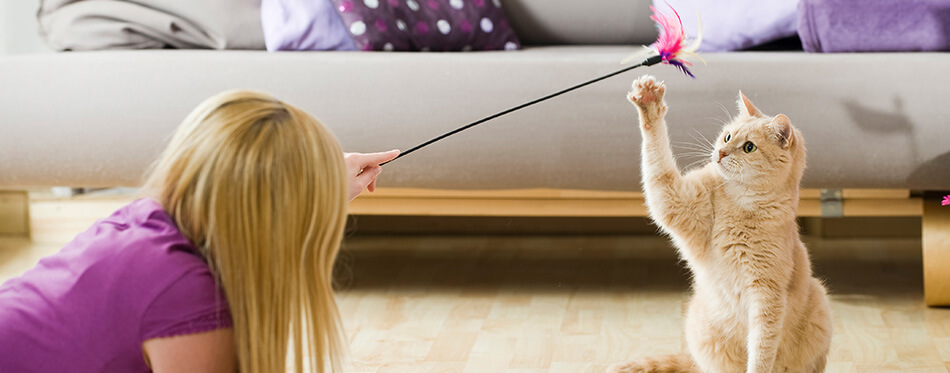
755	306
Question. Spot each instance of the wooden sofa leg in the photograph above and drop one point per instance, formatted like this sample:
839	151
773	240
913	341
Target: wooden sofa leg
936	245
14	213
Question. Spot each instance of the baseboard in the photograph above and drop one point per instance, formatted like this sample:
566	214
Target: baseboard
14	213
581	203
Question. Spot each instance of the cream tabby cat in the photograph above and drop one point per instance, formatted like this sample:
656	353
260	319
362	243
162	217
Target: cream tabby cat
755	306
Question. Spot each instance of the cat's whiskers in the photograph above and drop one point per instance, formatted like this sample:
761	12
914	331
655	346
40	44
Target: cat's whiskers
724	110
702	152
697	147
699	162
692	156
732	172
693	150
699	154
720	121
697	143
694	153
704	139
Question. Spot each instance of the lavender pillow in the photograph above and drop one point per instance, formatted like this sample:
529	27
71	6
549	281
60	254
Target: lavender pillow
303	25
427	25
737	24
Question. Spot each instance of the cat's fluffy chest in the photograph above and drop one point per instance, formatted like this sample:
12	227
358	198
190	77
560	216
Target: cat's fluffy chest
745	245
744	217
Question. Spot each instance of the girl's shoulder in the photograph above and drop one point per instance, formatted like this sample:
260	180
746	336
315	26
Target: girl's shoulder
141	246
140	240
137	253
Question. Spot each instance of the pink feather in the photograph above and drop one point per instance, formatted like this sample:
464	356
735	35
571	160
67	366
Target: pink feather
671	43
672	35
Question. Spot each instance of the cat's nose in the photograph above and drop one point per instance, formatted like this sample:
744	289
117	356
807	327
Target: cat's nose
722	153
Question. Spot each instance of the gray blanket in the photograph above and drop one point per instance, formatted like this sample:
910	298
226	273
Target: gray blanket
150	24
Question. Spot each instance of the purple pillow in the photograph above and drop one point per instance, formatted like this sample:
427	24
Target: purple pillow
427	25
736	24
303	25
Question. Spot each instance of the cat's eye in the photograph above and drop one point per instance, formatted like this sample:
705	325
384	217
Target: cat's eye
749	147
728	137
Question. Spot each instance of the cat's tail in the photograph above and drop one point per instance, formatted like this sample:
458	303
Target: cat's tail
681	363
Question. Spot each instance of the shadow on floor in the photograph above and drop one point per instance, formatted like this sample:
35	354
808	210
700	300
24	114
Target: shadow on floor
566	270
395	270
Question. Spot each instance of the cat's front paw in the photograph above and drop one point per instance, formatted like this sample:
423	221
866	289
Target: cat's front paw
646	90
646	94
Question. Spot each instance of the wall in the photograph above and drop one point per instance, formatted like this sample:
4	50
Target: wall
18	29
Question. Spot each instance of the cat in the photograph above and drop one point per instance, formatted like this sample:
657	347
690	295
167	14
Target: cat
755	305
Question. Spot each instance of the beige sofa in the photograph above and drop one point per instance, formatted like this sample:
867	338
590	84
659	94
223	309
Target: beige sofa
875	124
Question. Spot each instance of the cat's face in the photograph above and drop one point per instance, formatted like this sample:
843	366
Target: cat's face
758	149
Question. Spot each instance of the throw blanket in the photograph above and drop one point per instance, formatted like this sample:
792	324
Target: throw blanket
874	25
144	24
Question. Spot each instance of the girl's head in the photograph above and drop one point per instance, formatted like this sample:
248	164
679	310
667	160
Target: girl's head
259	187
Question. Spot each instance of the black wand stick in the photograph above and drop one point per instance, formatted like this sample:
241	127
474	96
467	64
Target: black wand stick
648	62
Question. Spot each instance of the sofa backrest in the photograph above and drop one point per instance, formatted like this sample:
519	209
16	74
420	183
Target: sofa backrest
541	22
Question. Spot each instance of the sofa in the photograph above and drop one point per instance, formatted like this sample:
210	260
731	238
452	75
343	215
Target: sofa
875	123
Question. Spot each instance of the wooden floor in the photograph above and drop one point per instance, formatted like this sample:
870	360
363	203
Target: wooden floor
566	303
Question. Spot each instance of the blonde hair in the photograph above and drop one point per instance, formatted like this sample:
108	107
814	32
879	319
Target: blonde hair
259	187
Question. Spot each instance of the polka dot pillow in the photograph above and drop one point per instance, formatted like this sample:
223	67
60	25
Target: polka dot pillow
427	25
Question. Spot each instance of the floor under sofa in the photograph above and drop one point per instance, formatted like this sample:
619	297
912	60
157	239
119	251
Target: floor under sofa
551	293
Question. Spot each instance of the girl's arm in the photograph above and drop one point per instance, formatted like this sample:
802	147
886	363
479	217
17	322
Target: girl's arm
200	352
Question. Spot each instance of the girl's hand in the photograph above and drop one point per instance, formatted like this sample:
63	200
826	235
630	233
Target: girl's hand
362	169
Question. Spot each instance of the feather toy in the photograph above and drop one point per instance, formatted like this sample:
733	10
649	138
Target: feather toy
669	48
671	45
946	201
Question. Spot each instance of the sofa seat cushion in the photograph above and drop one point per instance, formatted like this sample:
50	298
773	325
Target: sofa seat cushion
100	118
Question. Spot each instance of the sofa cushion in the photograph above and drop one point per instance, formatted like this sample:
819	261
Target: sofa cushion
99	119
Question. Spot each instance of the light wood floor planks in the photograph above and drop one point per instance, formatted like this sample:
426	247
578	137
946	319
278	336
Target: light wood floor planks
577	304
566	303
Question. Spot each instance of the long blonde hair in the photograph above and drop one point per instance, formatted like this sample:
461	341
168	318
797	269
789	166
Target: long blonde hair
259	187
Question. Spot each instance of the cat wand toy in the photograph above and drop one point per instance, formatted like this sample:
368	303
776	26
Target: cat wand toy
669	48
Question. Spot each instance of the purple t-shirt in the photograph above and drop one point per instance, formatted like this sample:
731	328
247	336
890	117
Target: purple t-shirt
129	278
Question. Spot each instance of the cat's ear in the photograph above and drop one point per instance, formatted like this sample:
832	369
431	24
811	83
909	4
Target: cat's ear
746	107
783	130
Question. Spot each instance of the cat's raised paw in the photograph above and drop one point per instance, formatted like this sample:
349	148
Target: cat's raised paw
646	94
646	90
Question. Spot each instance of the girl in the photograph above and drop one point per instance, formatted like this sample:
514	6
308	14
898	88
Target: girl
226	266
